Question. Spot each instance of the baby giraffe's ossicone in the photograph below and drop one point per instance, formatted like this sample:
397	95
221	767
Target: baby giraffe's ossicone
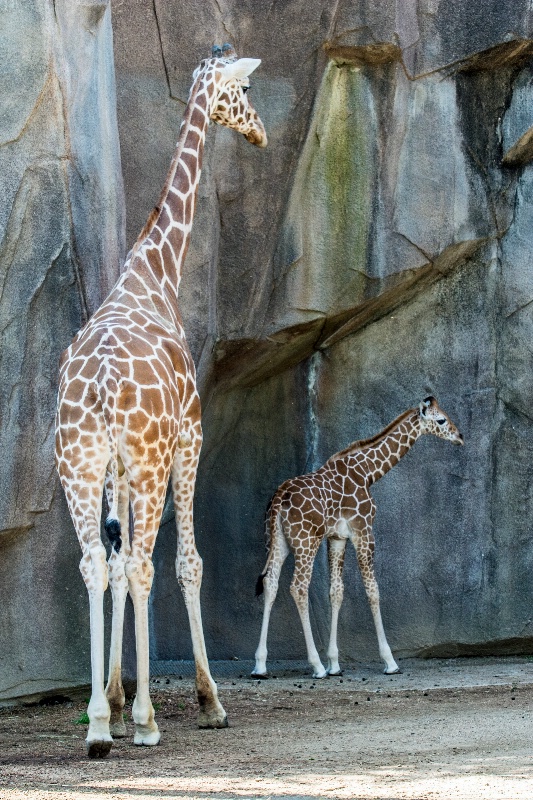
334	503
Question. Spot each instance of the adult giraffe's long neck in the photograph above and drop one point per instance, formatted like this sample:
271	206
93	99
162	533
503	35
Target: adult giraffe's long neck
163	243
392	444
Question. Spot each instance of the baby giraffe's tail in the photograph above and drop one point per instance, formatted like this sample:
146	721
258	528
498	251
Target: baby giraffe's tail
272	531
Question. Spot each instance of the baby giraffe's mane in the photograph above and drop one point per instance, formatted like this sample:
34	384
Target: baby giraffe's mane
361	444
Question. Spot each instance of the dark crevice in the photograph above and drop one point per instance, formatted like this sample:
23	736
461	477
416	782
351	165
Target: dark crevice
167	74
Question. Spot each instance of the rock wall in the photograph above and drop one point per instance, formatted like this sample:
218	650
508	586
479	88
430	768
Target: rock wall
61	246
378	250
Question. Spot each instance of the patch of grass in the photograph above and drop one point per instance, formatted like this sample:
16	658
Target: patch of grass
83	719
157	706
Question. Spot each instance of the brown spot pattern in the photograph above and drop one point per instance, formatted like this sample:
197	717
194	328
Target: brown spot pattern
334	503
127	395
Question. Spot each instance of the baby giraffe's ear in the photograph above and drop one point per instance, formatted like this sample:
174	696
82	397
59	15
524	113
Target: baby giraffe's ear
426	404
240	69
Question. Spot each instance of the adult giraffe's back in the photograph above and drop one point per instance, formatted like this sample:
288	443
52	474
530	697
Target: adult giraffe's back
129	416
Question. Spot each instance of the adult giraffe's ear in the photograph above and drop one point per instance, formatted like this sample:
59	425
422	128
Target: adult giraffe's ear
240	69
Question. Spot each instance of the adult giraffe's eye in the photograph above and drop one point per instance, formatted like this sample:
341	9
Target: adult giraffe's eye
245	89
441	421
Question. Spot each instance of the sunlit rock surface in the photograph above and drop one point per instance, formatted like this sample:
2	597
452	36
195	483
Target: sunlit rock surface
61	247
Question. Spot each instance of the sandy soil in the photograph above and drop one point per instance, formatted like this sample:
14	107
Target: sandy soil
288	738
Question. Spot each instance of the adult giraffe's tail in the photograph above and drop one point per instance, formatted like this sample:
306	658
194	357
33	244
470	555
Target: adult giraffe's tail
108	386
272	529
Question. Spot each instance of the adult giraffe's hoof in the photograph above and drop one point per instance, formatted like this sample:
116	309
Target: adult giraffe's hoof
146	738
261	676
337	674
392	671
118	729
215	719
99	748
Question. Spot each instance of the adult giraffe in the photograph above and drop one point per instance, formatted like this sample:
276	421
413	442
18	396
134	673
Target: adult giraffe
335	503
129	416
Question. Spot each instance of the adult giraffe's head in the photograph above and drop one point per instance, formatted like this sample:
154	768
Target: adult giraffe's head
228	79
434	420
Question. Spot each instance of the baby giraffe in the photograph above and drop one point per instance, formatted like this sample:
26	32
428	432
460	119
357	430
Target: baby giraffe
335	503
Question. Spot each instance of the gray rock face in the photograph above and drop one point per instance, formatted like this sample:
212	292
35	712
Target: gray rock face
61	246
377	251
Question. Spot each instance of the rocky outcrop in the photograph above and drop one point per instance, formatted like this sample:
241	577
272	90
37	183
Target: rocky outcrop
61	246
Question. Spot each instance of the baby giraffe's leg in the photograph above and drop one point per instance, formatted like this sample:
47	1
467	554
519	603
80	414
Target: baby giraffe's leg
303	568
279	550
364	547
336	550
118	583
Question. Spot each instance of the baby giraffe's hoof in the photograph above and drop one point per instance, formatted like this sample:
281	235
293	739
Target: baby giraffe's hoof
393	671
320	675
337	674
261	676
99	748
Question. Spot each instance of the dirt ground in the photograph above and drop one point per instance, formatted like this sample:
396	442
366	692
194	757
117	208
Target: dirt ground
291	737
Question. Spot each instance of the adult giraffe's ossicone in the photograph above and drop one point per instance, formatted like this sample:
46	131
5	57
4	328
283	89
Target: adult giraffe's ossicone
129	417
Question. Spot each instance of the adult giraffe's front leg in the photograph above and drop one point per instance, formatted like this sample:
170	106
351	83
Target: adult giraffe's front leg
189	574
364	547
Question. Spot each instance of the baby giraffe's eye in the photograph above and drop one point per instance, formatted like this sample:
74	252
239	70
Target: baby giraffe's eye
245	89
441	421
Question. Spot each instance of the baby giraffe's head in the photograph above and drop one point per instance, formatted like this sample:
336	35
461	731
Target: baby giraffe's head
434	420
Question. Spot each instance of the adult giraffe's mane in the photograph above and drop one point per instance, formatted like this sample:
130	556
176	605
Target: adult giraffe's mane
360	444
156	211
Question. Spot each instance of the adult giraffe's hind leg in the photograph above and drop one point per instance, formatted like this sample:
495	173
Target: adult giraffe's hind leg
147	498
364	547
336	551
93	568
189	574
86	515
118	583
